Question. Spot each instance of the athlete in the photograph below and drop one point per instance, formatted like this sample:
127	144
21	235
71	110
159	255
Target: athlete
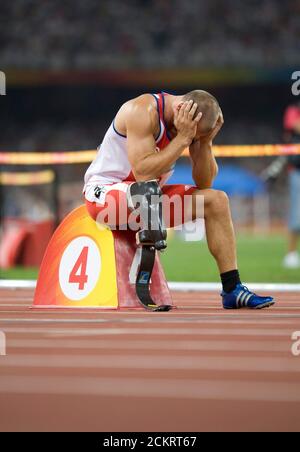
144	142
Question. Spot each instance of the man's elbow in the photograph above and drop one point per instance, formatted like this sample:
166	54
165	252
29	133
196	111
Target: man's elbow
203	183
141	173
216	170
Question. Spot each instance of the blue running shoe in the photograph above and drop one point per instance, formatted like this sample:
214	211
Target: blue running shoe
241	297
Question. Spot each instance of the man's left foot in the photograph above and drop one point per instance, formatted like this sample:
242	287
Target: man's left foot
241	297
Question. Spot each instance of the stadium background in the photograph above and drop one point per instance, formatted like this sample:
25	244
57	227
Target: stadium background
70	65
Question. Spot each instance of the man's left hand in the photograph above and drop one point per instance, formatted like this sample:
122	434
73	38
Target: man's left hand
208	139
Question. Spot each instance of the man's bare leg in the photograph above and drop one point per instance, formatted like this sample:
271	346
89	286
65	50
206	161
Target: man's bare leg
219	227
222	245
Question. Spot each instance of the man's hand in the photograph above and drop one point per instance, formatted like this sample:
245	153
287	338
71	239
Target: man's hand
185	123
212	135
205	167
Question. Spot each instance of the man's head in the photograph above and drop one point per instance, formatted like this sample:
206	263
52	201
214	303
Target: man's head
208	105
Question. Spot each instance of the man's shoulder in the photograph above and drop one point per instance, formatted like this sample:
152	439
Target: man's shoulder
141	108
141	101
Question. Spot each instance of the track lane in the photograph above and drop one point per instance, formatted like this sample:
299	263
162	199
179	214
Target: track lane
196	368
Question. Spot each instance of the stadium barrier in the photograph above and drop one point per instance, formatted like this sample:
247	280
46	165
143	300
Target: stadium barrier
27	179
86	156
51	159
23	240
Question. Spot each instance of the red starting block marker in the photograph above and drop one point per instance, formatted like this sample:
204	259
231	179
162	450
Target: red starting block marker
87	266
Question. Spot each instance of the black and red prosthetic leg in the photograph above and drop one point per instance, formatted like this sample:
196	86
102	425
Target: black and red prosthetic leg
145	199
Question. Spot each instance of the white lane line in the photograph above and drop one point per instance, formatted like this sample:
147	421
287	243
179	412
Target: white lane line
23	301
158	320
13	305
167	362
155	345
17	284
169	320
263	323
203	287
51	321
154	388
176	286
179	305
152	331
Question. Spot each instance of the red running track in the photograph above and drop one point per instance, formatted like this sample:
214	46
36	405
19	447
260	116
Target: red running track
198	368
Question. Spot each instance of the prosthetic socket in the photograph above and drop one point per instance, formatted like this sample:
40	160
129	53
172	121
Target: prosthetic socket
145	198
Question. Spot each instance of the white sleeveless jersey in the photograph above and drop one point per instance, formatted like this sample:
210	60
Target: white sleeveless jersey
111	164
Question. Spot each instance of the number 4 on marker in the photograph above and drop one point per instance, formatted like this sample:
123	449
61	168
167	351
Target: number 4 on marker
78	274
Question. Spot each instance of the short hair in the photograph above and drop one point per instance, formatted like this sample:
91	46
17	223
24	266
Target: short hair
208	105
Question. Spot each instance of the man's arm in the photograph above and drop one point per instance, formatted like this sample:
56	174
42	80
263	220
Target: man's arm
146	162
204	164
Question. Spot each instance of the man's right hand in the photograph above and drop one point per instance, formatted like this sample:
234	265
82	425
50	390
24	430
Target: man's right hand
185	123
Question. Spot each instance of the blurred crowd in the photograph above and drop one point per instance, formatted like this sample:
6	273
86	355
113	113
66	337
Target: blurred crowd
79	135
93	34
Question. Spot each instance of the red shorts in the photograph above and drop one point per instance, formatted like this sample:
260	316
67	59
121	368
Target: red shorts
110	204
